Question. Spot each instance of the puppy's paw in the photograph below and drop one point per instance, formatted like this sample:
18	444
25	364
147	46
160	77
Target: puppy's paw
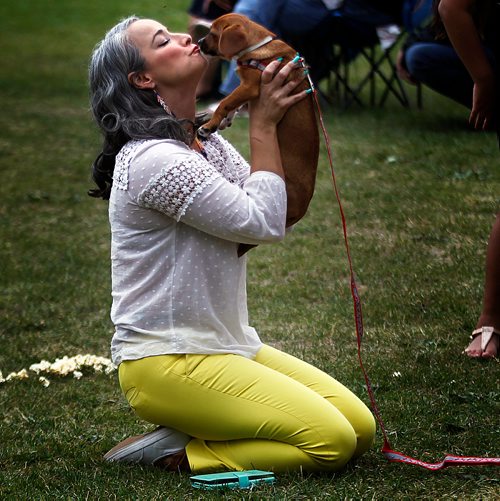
227	121
203	132
208	128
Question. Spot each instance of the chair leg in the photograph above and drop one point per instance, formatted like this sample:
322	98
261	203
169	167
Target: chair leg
400	92
339	84
381	66
390	80
372	78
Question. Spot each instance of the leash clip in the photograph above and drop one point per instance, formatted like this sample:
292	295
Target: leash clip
306	69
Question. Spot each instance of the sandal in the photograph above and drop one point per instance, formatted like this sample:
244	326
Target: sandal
486	333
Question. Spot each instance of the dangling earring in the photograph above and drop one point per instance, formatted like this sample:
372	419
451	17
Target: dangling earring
162	103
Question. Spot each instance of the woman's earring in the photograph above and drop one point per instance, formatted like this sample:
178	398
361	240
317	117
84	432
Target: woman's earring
162	103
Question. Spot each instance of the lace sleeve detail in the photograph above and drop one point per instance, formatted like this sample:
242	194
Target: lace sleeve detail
173	190
122	163
226	159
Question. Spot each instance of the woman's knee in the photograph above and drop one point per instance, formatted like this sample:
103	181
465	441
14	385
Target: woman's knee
347	440
336	449
365	430
346	443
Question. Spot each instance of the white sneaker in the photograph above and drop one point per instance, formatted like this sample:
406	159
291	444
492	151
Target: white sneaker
148	448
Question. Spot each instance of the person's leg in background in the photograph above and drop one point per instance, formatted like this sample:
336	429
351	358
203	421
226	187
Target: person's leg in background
490	314
438	67
244	415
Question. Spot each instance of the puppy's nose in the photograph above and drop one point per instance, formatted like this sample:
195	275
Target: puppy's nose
203	46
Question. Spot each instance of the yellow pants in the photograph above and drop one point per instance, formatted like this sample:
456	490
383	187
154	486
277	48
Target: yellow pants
275	412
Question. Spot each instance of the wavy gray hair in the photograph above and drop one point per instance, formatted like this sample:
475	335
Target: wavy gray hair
122	111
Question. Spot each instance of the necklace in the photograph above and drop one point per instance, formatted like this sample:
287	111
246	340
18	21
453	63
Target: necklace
195	143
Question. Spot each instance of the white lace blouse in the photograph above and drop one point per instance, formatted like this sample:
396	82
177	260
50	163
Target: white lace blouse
176	219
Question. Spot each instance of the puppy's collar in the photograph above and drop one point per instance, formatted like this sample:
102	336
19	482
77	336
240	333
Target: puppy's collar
263	42
259	64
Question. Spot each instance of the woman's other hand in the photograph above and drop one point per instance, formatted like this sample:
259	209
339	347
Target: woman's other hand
266	111
276	94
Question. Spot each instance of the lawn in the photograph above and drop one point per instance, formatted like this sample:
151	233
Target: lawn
420	192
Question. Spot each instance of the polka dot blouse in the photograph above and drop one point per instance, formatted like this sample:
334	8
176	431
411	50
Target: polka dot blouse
176	218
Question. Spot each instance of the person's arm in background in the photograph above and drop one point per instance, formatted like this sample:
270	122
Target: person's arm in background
464	36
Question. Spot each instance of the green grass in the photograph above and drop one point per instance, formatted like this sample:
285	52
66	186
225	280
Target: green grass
419	191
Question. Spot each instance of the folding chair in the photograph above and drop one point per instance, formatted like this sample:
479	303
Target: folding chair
381	68
376	46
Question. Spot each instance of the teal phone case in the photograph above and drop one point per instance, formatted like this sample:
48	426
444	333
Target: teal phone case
232	479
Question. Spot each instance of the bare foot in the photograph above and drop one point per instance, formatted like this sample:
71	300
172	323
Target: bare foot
475	350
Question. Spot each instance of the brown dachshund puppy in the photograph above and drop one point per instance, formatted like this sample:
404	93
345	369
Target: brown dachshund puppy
253	46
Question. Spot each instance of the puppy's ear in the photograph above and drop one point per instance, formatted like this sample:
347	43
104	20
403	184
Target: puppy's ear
232	40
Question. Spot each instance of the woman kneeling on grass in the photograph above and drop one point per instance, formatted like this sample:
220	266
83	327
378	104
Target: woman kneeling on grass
188	360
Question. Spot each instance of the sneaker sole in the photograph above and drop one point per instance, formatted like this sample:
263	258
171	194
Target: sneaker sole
134	444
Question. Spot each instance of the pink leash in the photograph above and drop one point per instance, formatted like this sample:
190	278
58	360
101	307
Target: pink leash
389	453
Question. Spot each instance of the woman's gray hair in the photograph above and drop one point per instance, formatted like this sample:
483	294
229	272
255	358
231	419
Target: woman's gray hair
122	111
